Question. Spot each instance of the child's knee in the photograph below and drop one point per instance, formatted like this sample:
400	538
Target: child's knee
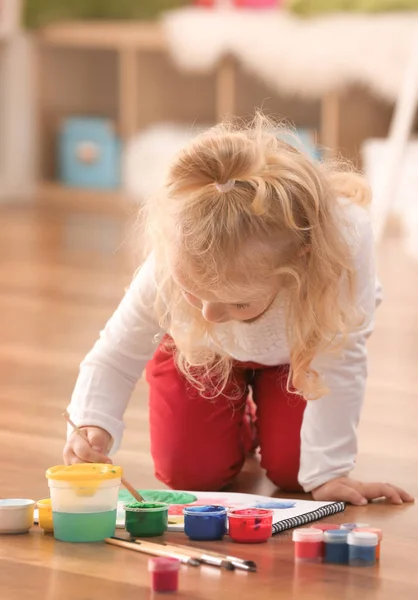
282	468
176	477
285	481
179	481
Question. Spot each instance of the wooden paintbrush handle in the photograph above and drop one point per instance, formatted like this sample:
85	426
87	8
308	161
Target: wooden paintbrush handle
132	490
151	551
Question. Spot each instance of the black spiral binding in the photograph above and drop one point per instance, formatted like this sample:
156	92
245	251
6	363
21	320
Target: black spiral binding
314	515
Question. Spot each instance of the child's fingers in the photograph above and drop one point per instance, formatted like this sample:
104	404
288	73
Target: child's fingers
392	494
358	493
98	439
351	495
72	459
383	490
82	449
69	457
338	491
68	454
404	495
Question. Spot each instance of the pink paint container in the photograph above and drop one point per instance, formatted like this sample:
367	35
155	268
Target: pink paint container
325	526
256	3
164	574
238	3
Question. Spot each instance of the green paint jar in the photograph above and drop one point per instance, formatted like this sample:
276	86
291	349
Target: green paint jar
146	519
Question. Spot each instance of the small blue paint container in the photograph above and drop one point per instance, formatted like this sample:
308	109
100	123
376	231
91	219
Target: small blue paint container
362	547
336	546
352	526
205	522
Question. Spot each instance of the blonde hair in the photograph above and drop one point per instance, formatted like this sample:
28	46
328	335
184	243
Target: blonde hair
242	207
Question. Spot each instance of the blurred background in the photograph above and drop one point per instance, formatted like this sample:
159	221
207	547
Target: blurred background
95	98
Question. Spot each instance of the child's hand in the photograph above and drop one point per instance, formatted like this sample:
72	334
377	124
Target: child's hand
358	493
91	447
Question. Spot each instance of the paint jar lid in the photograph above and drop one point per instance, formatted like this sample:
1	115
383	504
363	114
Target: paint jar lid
375	530
44	503
362	538
84	472
162	564
16	503
309	534
205	511
325	526
352	526
336	536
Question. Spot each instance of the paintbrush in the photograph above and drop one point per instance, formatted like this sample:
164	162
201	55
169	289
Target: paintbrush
125	483
205	558
237	563
153	550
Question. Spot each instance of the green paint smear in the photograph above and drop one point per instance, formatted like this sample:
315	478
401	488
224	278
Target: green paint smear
160	496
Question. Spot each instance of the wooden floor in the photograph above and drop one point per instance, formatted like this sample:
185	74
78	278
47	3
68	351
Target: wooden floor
60	278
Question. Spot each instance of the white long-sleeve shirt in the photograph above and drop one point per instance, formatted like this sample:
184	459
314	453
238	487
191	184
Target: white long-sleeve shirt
112	368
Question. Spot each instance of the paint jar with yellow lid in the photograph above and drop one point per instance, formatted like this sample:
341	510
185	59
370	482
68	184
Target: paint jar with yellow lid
84	501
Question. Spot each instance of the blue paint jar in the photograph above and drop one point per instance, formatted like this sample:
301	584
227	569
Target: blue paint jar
362	548
336	546
205	522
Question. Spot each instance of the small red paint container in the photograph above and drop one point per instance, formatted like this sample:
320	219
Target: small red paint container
250	525
309	545
325	526
164	574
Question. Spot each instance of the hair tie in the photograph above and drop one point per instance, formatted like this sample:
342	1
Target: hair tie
225	187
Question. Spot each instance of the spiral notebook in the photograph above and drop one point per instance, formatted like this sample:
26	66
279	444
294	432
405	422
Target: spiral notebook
287	513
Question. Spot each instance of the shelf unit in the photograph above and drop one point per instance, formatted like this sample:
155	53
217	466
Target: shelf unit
124	41
127	42
52	194
127	57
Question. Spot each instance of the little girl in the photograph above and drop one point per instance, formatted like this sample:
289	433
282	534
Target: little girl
260	278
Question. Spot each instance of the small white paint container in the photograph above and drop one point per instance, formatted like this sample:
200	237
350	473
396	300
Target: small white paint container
16	515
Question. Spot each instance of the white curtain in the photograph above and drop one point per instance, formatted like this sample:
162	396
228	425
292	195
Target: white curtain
17	118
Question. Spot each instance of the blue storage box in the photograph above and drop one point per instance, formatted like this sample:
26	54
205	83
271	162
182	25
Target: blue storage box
89	153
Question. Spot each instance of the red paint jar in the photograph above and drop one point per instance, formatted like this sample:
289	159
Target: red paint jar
164	574
325	526
238	3
309	545
250	525
257	3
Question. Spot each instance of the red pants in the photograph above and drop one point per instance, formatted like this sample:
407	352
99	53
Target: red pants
201	444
